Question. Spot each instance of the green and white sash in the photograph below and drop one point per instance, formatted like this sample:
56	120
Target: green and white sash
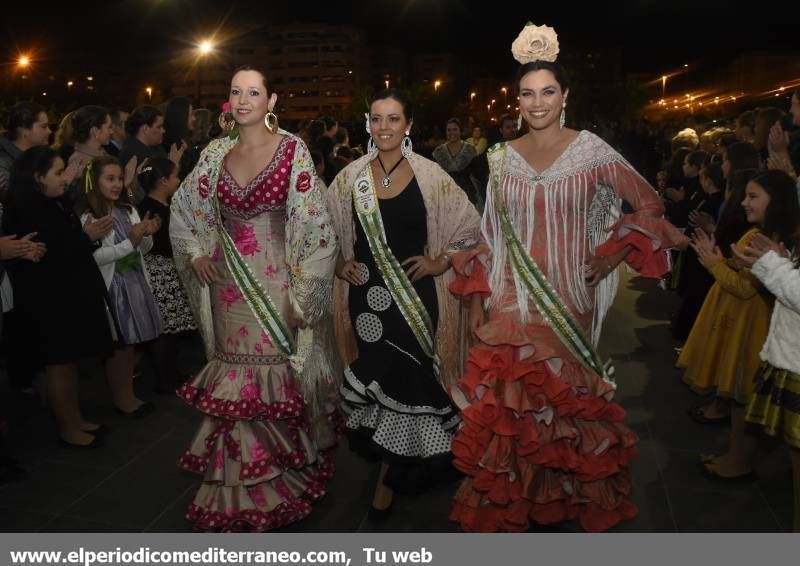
254	294
398	283
546	299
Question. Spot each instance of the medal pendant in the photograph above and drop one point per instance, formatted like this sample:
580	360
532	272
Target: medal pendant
386	182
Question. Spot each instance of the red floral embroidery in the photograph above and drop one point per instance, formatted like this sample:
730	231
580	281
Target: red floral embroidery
203	183
303	182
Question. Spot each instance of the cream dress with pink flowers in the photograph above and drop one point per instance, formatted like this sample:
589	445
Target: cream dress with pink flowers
261	465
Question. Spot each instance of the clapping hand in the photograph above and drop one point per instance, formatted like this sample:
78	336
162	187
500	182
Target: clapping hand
25	247
707	251
99	228
758	246
702	220
778	141
152	223
176	152
131	170
72	171
149	225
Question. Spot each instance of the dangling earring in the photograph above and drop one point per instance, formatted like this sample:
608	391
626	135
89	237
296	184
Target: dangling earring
271	122
371	147
226	121
563	118
519	122
407	148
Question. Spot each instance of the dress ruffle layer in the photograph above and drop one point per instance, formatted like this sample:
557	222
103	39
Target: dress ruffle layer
414	440
256	450
538	445
646	257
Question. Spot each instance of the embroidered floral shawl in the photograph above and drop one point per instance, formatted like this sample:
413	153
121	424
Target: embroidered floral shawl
311	251
453	225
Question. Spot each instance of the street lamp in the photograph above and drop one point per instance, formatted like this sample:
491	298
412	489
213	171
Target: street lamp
504	90
663	85
386	82
70	84
472	97
436	85
149	91
23	61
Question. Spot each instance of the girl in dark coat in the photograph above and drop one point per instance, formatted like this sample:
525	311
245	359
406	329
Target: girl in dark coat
62	296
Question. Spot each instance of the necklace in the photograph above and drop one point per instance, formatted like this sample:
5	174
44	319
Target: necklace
386	182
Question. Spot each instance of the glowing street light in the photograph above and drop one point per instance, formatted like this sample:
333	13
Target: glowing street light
149	91
205	47
386	83
70	84
23	61
436	85
663	85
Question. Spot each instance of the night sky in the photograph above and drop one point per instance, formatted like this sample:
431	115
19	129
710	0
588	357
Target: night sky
654	34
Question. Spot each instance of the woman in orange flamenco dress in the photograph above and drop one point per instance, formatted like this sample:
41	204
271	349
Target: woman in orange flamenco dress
542	439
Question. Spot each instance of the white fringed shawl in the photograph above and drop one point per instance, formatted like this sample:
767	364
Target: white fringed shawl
561	215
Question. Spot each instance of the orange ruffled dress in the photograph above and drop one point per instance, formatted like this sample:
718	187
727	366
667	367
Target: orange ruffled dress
542	440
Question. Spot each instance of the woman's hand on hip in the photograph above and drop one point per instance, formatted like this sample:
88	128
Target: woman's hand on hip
206	271
351	271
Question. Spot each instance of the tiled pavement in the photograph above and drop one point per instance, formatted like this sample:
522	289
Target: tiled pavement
133	483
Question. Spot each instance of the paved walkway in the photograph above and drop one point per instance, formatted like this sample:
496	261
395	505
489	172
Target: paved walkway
133	483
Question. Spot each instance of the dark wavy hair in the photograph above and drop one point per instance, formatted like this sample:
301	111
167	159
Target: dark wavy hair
86	118
155	169
782	217
33	162
394	94
264	76
558	72
143	115
23	115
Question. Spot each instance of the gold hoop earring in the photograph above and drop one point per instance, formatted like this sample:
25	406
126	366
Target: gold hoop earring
226	121
271	122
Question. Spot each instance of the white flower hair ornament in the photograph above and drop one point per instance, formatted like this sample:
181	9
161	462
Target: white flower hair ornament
535	43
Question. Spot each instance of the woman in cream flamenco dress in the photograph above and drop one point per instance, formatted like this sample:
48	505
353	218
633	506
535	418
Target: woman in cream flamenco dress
542	440
256	253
